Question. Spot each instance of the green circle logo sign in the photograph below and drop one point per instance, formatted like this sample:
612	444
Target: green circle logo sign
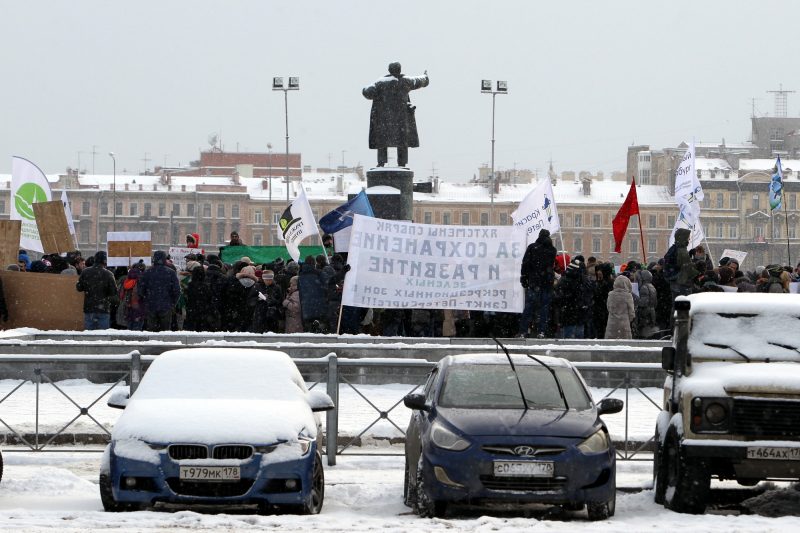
27	195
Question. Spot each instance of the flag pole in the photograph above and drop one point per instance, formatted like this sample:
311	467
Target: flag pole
563	255
788	249
641	235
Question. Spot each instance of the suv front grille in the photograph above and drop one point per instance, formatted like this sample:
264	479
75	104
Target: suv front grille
178	452
233	451
523	483
766	418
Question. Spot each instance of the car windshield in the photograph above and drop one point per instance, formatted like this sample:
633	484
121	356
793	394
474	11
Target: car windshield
744	337
481	386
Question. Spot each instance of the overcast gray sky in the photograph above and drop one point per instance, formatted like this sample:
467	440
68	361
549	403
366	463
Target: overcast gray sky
586	78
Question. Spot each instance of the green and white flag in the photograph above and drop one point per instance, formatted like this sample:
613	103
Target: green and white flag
29	185
297	223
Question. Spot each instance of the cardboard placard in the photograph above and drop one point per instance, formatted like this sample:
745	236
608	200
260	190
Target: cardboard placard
126	248
734	254
9	242
179	253
42	301
51	221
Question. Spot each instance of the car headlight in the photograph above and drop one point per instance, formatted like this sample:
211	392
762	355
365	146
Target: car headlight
595	444
305	445
716	413
444	438
711	415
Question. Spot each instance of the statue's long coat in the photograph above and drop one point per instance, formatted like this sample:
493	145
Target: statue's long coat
391	121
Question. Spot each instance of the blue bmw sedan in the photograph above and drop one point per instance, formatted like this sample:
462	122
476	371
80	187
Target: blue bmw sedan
509	432
217	427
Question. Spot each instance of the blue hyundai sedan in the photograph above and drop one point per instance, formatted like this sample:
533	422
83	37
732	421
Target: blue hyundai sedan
217	427
508	432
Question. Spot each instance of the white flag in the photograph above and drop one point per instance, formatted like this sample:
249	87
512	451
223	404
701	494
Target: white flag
68	212
688	195
537	211
297	223
29	185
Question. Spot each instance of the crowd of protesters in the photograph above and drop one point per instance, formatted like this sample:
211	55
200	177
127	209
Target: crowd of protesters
565	297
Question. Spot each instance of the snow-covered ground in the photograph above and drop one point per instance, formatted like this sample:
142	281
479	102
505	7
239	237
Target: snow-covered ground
56	409
44	491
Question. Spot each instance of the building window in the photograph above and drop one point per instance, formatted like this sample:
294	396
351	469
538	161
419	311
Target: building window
85	235
257	239
446	218
671	221
792	201
162	209
578	221
560	220
634	246
758	232
189	210
220	233
118	209
484	219
176	210
596	246
776	230
706	201
597	221
755	202
578	244
719	200
427	217
103	208
206	210
792	232
86	208
733	231
504	219
720	229
235	211
465	218
220	210
651	221
258	218
276	218
734	201
652	246
148	209
133	209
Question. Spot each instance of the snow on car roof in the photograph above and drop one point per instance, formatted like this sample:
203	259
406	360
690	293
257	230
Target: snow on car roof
747	303
495	358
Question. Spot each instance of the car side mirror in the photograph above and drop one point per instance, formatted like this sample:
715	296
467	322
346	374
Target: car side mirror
668	358
319	401
118	399
416	401
609	406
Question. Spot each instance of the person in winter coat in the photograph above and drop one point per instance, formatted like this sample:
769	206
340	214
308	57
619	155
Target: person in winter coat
132	304
664	303
268	303
537	278
772	282
620	310
569	300
238	306
193	240
313	297
160	289
646	305
605	284
294	315
201	312
100	292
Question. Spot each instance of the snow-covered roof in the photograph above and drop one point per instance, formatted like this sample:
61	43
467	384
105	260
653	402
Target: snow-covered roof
766	165
703	163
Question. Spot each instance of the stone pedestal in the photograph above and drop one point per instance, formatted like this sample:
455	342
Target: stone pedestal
386	203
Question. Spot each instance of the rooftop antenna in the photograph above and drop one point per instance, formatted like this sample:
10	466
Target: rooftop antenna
780	101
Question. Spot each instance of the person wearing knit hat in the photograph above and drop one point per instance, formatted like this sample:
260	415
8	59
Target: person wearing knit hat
191	265
268	307
248	272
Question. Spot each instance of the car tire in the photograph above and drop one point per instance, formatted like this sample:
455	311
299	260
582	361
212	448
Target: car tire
423	504
601	511
659	472
1	466
409	487
688	481
316	495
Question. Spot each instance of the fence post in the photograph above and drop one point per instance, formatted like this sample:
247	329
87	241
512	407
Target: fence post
332	416
136	371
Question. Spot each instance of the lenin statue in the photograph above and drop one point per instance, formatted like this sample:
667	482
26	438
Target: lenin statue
391	121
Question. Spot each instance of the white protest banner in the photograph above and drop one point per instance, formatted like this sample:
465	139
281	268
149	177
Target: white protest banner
29	185
537	211
178	255
398	264
734	254
688	195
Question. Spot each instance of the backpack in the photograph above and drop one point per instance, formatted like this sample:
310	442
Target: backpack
671	269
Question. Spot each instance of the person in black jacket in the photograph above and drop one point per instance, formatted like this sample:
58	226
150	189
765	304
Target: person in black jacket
570	299
313	297
537	279
267	299
100	290
201	312
160	289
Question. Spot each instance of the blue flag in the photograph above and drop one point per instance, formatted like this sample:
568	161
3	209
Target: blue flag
342	216
776	186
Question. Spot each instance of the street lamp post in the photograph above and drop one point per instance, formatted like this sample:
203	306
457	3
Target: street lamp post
486	88
294	85
269	180
114	194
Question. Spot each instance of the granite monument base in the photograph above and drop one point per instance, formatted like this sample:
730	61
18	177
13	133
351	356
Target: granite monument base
387	204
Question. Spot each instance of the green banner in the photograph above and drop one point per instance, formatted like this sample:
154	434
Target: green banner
265	254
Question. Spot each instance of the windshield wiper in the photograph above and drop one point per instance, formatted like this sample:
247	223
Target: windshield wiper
510	362
787	346
734	350
553	373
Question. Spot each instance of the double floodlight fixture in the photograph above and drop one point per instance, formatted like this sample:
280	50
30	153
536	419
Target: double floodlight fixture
294	84
486	86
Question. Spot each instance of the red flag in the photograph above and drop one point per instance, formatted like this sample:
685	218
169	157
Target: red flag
629	208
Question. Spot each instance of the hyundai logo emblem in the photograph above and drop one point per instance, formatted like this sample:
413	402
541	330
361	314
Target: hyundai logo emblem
525	451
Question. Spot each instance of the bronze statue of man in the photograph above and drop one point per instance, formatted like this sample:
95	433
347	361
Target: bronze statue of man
391	121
